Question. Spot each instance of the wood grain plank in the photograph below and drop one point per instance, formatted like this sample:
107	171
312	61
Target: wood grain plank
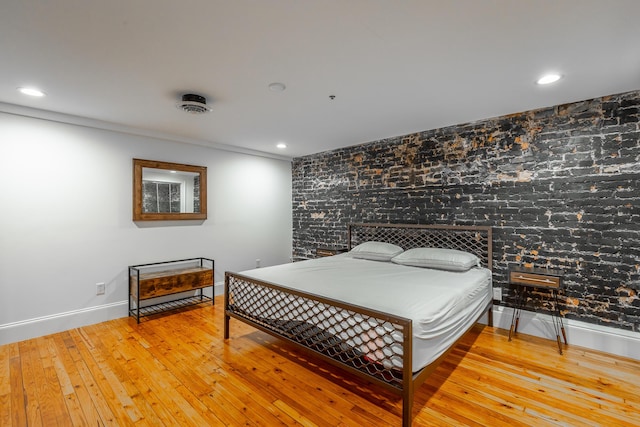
31	373
163	403
5	386
558	377
17	401
290	381
134	357
50	395
109	376
300	419
180	405
232	388
72	404
104	399
228	407
68	370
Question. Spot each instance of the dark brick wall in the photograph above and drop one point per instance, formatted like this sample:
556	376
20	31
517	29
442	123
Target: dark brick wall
560	186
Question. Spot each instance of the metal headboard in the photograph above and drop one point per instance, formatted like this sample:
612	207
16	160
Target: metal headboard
473	239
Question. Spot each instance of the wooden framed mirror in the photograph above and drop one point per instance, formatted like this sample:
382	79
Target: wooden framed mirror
164	191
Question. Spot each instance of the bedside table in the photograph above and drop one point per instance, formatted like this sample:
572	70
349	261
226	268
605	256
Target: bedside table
527	278
330	250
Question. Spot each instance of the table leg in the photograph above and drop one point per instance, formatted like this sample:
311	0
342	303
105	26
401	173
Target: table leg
558	325
515	318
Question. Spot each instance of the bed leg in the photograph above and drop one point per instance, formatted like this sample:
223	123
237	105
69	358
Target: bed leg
226	327
227	279
407	407
490	316
406	414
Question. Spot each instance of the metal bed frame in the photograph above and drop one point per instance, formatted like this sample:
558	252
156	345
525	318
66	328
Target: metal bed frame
338	332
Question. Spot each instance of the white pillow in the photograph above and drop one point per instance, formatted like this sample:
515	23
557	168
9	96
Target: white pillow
376	251
442	259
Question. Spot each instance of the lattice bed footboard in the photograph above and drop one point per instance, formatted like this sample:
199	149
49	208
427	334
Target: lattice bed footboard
365	341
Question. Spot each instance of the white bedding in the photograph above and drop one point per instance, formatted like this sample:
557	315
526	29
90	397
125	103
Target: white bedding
441	304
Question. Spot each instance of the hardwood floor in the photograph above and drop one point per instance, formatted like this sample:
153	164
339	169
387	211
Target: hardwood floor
176	370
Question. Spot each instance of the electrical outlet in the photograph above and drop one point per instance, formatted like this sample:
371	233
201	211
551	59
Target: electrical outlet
100	288
258	263
497	294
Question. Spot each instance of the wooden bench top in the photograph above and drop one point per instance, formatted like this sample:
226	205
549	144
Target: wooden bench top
172	272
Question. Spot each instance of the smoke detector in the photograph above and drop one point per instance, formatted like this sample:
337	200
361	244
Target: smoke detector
193	104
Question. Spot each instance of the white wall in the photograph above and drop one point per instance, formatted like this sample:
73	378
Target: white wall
65	220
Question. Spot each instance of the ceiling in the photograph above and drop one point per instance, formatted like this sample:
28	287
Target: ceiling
394	67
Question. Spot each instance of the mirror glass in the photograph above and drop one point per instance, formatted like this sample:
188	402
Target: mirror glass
168	191
172	191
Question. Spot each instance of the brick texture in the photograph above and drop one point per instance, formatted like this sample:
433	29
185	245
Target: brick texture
560	186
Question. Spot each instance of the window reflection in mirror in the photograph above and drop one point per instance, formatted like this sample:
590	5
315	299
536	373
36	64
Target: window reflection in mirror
168	191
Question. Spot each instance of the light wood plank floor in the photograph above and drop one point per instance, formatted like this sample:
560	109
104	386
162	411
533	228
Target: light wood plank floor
176	370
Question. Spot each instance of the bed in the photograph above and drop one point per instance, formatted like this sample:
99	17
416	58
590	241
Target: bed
339	307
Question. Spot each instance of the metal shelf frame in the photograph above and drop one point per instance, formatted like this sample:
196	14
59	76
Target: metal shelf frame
138	311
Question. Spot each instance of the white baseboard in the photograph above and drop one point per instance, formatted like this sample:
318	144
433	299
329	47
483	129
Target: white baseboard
45	325
611	340
596	337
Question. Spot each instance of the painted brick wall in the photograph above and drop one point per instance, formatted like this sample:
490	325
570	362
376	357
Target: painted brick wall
560	186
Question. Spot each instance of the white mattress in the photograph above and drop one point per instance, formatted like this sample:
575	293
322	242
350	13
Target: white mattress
441	304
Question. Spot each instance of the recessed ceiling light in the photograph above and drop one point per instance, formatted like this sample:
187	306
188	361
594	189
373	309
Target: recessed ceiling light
277	87
281	145
31	91
548	79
